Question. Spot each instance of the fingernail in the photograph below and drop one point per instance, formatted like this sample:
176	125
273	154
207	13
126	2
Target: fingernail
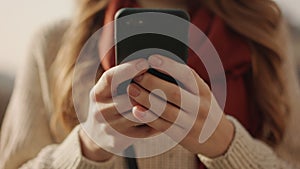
139	78
133	91
155	60
142	65
138	113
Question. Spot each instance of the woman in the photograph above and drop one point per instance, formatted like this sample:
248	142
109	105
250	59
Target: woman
41	128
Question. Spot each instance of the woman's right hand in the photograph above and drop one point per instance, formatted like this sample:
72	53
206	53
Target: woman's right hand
105	123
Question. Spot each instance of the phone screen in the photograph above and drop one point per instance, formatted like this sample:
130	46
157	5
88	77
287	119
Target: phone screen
153	37
156	31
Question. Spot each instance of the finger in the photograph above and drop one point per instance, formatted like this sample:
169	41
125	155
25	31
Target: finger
115	108
178	71
159	106
147	116
159	124
124	122
174	94
136	132
143	131
112	78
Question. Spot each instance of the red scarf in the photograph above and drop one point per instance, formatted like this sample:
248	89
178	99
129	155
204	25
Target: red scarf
233	50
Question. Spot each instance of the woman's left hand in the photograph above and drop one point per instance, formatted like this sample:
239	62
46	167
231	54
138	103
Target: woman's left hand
160	111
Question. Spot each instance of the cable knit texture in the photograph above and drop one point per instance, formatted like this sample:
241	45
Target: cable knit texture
26	140
245	152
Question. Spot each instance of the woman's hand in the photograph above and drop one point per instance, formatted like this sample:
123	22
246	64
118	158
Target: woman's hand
148	110
104	115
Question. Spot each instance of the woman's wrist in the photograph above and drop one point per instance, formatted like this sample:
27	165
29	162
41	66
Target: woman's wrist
221	140
92	151
227	135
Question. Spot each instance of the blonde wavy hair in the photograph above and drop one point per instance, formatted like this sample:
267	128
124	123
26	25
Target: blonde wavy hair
258	20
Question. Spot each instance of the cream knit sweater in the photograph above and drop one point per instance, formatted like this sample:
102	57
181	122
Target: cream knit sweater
26	141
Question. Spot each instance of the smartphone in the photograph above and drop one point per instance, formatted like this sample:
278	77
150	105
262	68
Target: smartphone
152	31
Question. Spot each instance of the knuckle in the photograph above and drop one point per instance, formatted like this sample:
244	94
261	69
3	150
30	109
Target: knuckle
95	95
204	108
206	94
107	77
176	96
172	115
92	94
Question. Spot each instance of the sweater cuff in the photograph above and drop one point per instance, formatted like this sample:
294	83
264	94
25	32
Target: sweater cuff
69	155
241	153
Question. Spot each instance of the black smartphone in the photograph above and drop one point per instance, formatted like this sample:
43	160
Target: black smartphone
140	33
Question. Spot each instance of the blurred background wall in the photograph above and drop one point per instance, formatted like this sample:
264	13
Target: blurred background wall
21	19
291	11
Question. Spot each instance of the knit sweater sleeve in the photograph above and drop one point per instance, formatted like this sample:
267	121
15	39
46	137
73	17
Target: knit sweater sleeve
247	153
67	155
26	140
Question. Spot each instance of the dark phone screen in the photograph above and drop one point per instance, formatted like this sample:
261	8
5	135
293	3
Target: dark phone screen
153	21
169	46
151	34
